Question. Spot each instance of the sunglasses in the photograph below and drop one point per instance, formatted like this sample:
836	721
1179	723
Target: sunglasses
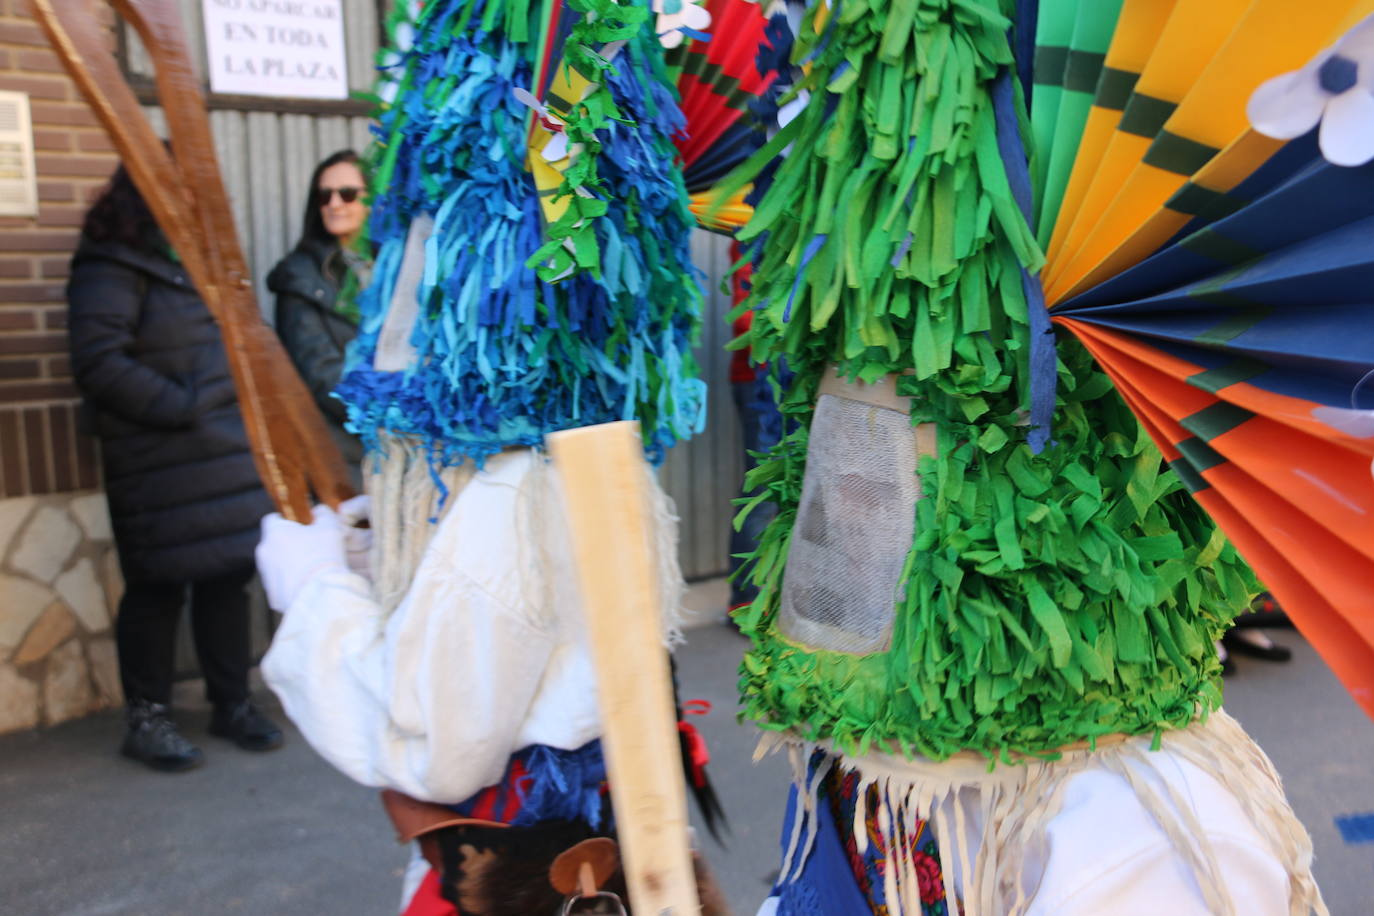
324	195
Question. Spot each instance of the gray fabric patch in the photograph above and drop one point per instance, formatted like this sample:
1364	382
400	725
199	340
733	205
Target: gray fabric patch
394	350
854	528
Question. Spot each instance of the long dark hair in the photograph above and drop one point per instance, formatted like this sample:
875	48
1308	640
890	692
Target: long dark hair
120	214
312	226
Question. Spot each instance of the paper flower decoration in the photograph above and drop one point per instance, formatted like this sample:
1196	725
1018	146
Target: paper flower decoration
1335	89
1353	421
556	149
552	153
679	17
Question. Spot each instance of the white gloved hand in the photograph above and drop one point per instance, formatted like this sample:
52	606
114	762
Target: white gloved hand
357	540
355	510
291	554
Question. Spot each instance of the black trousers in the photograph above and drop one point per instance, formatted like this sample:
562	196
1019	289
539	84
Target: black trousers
146	636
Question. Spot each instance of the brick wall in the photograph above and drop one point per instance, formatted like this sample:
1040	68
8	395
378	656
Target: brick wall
59	578
41	448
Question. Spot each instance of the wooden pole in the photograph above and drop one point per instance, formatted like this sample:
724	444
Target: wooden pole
292	447
605	487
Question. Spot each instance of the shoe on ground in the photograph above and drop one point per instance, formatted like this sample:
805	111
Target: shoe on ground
245	725
1256	645
1228	664
151	738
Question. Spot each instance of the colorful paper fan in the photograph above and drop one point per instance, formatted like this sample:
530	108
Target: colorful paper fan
718	79
724	216
1223	278
720	83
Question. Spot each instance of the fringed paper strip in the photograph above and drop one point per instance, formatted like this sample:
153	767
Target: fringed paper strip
501	358
543	783
407	498
990	823
571	242
1046	598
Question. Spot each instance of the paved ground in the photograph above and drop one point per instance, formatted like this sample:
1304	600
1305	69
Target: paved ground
84	832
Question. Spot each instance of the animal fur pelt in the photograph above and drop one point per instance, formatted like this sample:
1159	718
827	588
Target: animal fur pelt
504	871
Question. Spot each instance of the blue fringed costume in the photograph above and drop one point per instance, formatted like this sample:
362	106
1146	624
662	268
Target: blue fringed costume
501	356
453	669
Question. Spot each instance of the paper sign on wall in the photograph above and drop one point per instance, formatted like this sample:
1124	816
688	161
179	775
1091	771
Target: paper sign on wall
18	180
284	48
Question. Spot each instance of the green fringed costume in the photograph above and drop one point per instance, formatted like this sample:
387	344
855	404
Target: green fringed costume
1046	598
1042	601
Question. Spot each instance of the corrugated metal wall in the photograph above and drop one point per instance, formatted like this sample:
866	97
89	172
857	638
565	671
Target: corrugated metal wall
703	474
266	158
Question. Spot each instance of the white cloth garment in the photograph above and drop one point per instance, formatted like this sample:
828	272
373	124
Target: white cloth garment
482	657
1106	854
357	540
1196	828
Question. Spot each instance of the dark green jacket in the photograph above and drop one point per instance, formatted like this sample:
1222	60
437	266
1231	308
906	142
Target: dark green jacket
307	283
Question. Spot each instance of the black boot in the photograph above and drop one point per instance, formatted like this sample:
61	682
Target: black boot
1256	645
151	738
245	725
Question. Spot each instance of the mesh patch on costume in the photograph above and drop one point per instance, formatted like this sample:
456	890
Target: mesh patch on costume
854	528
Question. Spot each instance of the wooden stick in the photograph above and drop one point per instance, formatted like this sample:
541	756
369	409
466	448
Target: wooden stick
292	447
605	486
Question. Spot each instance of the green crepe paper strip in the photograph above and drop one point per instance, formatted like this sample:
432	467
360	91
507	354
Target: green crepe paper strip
1047	598
601	22
382	152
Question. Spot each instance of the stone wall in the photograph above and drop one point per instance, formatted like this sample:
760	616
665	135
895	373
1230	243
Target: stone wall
59	586
59	579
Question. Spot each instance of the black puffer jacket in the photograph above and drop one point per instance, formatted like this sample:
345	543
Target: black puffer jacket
185	499
307	283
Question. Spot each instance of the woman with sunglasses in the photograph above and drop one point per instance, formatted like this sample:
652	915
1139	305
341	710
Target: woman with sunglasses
316	285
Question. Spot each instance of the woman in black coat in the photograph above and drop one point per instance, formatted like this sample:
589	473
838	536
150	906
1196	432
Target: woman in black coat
184	494
314	322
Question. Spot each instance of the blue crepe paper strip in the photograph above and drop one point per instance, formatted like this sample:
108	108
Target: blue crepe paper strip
1043	363
557	785
902	249
774	56
1023	43
812	247
563	785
